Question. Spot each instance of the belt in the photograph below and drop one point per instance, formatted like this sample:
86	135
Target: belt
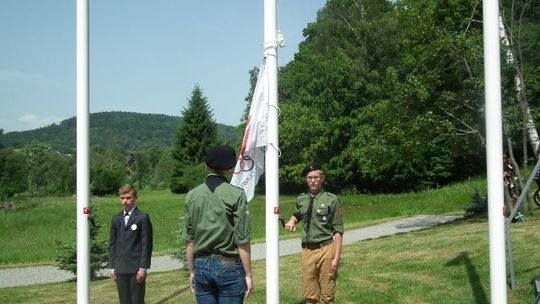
313	246
219	258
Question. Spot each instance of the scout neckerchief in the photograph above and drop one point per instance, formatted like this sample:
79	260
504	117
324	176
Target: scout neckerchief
214	180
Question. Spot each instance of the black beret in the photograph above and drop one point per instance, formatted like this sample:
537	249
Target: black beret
312	167
220	157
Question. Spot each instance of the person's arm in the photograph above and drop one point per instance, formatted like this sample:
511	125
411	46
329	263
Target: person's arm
295	219
338	242
190	257
337	226
146	248
112	250
291	224
245	257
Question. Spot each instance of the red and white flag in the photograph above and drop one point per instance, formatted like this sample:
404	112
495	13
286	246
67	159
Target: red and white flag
250	164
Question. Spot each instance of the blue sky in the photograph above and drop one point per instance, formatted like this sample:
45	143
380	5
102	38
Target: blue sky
145	56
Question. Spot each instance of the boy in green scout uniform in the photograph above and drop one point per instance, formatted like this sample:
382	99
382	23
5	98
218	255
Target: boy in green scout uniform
218	234
322	239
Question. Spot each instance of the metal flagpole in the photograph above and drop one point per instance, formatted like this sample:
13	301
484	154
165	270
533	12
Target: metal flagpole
83	176
272	155
492	76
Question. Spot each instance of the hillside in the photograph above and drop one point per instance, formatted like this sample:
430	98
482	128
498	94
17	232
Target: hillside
125	130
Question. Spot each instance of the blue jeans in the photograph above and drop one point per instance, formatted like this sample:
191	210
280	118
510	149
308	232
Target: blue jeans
219	282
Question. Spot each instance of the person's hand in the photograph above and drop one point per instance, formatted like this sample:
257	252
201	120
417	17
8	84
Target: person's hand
191	282
141	276
290	226
335	267
112	275
249	285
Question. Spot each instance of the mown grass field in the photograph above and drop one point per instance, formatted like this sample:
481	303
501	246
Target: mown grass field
446	264
29	235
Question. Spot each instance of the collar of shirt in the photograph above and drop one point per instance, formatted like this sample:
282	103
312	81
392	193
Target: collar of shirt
214	180
130	211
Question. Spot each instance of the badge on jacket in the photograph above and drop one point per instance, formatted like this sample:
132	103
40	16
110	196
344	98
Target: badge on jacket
134	227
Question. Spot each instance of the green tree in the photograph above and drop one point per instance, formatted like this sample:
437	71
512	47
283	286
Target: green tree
67	254
195	134
49	171
431	123
13	177
105	181
387	94
253	73
334	74
162	171
1	137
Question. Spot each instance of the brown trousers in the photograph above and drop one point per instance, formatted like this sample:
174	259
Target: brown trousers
317	281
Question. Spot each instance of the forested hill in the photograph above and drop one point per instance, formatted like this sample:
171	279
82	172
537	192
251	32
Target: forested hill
124	130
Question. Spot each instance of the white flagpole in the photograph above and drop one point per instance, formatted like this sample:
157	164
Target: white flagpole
83	176
492	75
271	156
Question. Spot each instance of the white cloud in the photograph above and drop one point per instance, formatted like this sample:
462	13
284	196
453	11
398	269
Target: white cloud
32	121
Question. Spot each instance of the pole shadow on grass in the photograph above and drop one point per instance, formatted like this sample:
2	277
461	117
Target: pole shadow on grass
480	296
174	294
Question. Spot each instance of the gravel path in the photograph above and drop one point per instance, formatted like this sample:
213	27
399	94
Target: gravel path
11	277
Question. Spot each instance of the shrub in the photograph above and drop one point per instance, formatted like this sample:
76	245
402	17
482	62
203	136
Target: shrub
67	254
478	205
106	181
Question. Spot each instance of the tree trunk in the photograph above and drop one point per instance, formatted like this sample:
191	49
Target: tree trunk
528	121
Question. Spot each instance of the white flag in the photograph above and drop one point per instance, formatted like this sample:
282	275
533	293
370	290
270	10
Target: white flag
250	164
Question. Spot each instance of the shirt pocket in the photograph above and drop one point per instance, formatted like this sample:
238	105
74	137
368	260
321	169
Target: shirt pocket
322	214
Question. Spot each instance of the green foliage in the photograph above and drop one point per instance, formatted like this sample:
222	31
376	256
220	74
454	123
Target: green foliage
194	175
125	130
106	181
479	204
180	253
47	171
386	95
12	173
195	134
27	234
137	146
66	258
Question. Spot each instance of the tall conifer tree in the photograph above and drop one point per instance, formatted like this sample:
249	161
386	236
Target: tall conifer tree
196	132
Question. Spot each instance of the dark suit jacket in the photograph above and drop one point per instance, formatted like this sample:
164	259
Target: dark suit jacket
130	246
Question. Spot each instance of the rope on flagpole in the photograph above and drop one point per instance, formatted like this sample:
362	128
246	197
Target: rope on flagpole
275	148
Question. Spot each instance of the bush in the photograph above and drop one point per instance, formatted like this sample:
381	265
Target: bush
191	177
13	175
180	254
478	205
67	254
106	181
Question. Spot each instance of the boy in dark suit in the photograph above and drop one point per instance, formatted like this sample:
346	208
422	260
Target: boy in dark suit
130	248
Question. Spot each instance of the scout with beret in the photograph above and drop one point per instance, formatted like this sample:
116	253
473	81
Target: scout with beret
218	234
322	238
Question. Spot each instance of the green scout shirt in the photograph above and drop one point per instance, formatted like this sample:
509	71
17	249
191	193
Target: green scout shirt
217	221
326	216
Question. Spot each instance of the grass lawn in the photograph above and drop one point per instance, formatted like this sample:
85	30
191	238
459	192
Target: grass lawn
29	235
445	264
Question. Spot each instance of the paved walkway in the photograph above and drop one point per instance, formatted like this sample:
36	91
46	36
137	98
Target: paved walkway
12	277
